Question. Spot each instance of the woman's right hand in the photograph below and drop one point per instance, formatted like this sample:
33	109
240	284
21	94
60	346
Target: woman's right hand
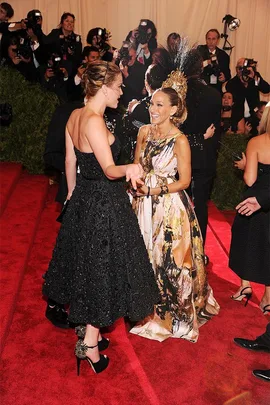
134	173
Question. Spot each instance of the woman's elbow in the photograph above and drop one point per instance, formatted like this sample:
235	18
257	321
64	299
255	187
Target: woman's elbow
249	181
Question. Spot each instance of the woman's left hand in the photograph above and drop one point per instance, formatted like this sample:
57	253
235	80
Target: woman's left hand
142	191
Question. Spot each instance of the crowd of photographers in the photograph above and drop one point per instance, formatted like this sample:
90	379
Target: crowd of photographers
57	61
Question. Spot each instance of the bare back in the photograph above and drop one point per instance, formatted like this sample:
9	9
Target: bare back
77	127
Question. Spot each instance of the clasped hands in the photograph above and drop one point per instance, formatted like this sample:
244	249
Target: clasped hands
134	174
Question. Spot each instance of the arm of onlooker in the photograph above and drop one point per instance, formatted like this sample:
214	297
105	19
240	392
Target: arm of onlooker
241	126
226	68
248	206
253	204
251	169
248	128
263	86
70	164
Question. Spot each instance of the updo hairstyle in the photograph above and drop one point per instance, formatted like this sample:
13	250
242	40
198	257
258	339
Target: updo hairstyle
175	100
97	74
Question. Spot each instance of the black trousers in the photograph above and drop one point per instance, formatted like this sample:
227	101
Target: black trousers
202	181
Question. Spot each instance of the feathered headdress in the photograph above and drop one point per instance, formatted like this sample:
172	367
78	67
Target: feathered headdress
177	79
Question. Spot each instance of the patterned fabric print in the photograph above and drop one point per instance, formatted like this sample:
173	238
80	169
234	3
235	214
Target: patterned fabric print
174	244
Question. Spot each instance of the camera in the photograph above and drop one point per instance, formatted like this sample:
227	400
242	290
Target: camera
24	48
33	21
55	64
69	42
246	68
143	36
226	108
104	37
214	67
124	56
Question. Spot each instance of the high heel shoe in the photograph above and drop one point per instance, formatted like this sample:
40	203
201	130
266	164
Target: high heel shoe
80	352
243	295
103	344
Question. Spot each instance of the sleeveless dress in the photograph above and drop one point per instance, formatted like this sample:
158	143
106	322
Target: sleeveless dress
250	245
100	265
175	248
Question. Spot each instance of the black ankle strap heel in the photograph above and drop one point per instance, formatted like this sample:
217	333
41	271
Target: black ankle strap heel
80	352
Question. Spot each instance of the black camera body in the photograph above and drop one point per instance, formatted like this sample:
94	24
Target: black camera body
143	36
124	56
69	42
33	22
24	48
245	70
214	68
104	37
55	63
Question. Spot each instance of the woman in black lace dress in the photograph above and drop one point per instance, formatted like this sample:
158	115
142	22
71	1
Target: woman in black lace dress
100	265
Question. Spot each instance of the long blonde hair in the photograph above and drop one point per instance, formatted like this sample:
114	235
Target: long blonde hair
264	126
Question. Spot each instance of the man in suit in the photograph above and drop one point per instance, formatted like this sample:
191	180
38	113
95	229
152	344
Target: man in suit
204	110
216	62
262	342
246	88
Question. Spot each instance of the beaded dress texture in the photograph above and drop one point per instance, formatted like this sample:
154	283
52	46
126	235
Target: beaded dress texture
174	244
100	265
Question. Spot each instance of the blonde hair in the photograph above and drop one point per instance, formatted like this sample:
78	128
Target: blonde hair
265	122
97	74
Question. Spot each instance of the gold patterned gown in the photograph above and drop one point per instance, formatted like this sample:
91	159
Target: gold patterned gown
174	244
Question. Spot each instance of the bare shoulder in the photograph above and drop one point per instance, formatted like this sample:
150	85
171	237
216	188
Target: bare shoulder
95	121
73	116
143	131
181	139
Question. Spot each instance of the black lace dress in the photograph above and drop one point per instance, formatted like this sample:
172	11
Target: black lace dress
100	264
250	245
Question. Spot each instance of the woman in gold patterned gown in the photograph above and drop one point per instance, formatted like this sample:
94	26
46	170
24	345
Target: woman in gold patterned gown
169	225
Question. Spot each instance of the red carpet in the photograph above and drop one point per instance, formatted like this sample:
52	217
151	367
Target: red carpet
38	365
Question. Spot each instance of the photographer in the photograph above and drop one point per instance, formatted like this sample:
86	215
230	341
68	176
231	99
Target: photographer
144	39
246	86
6	13
216	62
66	43
54	76
231	121
33	37
75	90
14	55
133	73
100	38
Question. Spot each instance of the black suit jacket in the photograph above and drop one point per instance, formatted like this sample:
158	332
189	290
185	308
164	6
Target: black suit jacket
251	93
223	62
204	108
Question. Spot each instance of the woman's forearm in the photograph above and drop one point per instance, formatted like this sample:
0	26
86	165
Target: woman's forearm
114	172
71	172
172	188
